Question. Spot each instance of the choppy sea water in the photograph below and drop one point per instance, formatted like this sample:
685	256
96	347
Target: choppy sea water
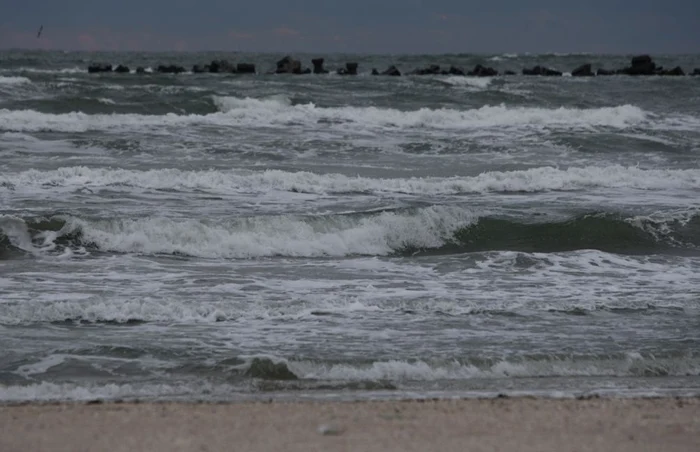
239	236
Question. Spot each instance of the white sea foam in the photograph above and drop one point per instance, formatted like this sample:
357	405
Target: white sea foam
276	112
531	180
480	83
67	70
59	392
13	80
562	367
106	101
282	235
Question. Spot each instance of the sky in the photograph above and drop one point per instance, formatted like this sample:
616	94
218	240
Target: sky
355	26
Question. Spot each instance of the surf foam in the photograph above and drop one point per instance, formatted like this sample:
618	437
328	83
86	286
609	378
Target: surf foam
279	113
531	180
13	80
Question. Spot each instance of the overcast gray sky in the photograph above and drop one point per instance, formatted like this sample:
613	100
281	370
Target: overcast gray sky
375	26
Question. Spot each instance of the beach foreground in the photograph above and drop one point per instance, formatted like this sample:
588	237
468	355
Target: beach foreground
521	424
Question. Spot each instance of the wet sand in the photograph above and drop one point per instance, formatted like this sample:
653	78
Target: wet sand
519	424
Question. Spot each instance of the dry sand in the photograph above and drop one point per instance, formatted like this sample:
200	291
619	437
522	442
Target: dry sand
520	424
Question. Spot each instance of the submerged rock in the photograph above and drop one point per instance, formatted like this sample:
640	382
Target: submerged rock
170	69
349	69
541	70
265	369
641	65
245	68
482	71
433	69
96	68
676	71
583	71
605	72
318	66
288	65
392	71
221	66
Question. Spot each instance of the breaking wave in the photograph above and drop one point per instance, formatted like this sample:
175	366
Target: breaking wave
13	80
431	230
530	180
281	112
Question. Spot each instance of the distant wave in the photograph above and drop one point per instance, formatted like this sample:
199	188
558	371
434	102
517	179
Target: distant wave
13	80
279	112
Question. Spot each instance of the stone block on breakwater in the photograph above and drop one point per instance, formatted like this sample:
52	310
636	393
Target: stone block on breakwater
96	68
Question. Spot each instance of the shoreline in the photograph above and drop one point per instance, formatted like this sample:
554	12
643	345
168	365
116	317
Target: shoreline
505	424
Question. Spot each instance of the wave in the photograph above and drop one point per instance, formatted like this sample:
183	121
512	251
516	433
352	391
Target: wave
279	112
622	365
431	230
67	70
13	80
519	181
480	83
395	372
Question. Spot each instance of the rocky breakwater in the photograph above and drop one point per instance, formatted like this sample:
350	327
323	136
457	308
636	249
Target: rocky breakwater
642	65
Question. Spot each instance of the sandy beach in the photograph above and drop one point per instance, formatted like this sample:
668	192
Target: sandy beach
522	424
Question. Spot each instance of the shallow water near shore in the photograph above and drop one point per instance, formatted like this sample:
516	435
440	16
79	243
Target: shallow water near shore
211	236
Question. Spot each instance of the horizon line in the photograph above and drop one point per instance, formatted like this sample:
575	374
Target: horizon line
308	52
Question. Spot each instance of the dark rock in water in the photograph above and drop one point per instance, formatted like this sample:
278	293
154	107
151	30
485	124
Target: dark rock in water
349	69
306	71
433	69
454	70
641	65
140	70
375	72
482	71
605	72
696	71
288	65
96	68
510	73
318	66
641	60
541	70
265	369
171	69
222	67
676	71
245	68
197	69
121	69
392	71
583	71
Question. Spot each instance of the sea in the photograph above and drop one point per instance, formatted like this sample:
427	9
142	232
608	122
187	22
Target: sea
230	237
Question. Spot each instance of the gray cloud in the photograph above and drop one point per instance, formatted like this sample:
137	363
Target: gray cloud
414	26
